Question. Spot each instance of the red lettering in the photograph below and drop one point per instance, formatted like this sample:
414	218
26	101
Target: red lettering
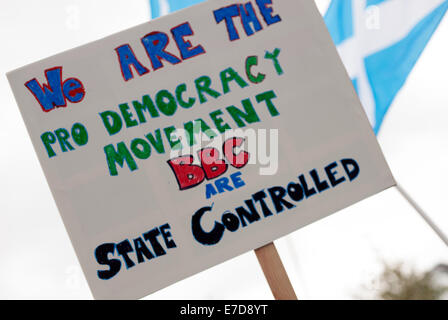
187	174
236	160
212	165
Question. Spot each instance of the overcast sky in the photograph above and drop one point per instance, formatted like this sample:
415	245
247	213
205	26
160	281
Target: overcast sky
331	259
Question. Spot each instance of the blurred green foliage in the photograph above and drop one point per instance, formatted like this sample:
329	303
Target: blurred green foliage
397	283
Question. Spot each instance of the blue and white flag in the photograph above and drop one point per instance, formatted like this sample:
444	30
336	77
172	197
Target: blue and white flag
379	42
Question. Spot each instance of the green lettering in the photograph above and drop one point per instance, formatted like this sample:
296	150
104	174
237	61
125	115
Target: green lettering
175	144
250	116
196	127
127	116
114	126
48	138
158	142
79	134
267	97
203	85
274	57
184	104
63	135
228	75
147	105
250	62
216	117
119	156
166	103
140	148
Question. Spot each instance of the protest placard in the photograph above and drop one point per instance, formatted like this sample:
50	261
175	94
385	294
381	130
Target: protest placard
188	140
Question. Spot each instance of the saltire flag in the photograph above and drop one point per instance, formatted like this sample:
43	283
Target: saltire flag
379	42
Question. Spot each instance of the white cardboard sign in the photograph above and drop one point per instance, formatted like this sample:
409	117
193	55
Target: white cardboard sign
136	135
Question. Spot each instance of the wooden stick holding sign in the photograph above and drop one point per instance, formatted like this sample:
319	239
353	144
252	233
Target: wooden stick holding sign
275	272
